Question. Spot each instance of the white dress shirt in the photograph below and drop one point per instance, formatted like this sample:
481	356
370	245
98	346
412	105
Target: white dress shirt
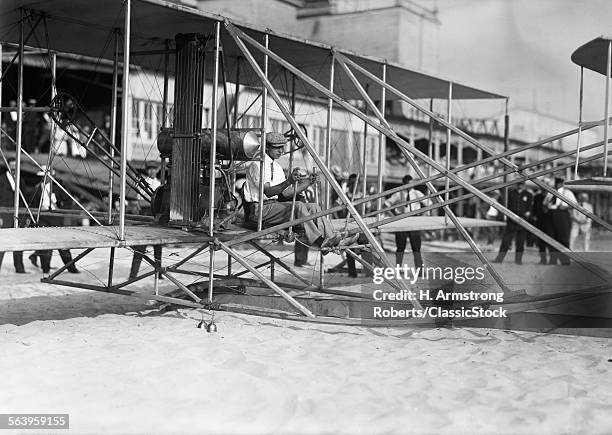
273	174
10	180
556	203
401	197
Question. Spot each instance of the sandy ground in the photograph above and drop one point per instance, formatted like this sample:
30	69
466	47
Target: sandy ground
117	365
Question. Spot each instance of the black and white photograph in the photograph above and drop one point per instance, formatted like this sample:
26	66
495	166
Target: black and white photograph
305	216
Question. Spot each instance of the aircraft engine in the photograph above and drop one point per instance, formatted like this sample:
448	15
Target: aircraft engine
242	145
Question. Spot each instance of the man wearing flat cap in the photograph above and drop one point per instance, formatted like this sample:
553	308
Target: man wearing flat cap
319	232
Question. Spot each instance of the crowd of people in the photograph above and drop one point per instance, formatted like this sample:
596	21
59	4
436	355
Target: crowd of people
551	215
41	197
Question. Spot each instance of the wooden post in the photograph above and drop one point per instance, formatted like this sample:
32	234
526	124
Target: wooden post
125	130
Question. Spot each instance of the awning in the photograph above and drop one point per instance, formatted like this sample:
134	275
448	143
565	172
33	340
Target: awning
86	27
65	61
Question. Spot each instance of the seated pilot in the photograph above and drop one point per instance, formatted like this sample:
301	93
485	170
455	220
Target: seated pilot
318	232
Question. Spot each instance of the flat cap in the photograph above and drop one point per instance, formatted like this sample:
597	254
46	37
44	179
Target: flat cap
275	139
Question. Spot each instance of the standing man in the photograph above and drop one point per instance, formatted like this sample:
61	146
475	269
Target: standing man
46	198
402	236
581	224
520	201
151	179
541	220
7	198
561	222
151	209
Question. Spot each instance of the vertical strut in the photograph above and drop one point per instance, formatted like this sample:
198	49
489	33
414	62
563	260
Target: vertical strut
430	153
17	176
364	156
264	127
579	122
164	120
607	108
448	143
1	95
327	201
381	145
113	125
211	163
506	145
111	266
125	115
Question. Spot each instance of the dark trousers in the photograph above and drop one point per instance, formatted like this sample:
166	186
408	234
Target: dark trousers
365	255
516	233
300	252
17	260
139	252
543	223
561	227
275	213
352	266
401	238
45	258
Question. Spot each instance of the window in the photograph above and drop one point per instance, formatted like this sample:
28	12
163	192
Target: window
147	123
136	116
275	125
320	140
250	121
159	113
372	149
357	141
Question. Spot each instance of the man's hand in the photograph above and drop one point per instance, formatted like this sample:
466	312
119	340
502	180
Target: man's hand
297	175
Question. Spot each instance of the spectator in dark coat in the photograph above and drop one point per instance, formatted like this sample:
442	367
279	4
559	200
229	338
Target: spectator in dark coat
7	198
520	201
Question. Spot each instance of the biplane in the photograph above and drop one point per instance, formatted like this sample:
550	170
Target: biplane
200	55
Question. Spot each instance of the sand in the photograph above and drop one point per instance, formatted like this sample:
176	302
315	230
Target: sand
118	365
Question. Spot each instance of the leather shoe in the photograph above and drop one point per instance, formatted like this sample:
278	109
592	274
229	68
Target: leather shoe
303	264
331	241
350	240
